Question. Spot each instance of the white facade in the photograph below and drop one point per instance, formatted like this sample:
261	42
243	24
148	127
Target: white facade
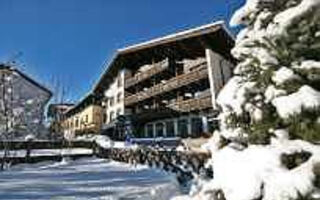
114	105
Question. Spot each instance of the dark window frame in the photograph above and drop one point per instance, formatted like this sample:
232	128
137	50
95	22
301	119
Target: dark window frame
170	133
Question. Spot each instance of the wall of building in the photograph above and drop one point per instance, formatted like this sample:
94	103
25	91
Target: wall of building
114	103
25	103
55	115
219	72
87	121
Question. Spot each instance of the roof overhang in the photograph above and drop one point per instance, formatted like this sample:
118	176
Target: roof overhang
123	53
201	30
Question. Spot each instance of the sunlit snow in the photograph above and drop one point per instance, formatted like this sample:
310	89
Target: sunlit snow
86	179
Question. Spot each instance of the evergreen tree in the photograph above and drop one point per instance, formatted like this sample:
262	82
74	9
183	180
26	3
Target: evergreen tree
271	107
277	81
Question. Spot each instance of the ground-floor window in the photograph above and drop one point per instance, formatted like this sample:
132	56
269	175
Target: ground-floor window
105	117
196	127
150	130
170	128
159	129
213	126
183	128
111	116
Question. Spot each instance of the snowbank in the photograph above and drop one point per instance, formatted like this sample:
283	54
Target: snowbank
104	141
257	171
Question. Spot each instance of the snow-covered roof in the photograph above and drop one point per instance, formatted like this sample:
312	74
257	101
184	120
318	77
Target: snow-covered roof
201	30
179	36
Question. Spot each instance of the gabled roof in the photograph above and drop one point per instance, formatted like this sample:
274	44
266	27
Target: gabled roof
121	54
201	30
4	66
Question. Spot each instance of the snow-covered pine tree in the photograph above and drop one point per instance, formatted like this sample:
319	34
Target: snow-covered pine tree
277	80
270	108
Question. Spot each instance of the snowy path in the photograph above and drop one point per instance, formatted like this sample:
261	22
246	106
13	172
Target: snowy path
86	179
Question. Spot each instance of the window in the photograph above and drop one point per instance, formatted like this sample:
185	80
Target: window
119	97
105	103
150	130
119	82
111	116
77	122
87	119
196	127
170	128
159	129
213	126
111	101
118	112
183	128
105	117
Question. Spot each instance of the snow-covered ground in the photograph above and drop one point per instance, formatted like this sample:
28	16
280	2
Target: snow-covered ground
87	178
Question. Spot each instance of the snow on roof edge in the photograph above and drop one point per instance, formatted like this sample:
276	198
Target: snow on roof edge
176	36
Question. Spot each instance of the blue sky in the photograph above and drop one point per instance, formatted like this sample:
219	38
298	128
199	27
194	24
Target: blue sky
69	40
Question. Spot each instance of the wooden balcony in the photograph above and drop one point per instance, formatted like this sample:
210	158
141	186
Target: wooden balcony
156	68
192	104
174	83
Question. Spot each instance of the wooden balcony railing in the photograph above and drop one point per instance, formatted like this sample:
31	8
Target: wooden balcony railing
191	104
156	68
174	83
